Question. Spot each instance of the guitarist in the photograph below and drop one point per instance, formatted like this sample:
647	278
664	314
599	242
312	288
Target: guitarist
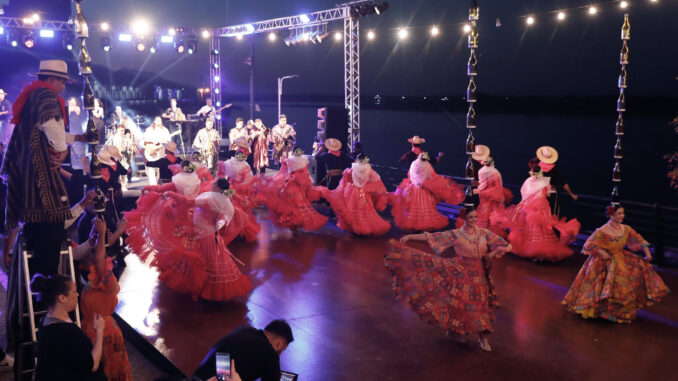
209	111
283	137
155	136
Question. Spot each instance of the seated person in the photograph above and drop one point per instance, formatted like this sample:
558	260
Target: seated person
256	353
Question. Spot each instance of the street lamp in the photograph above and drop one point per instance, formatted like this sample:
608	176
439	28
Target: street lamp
280	89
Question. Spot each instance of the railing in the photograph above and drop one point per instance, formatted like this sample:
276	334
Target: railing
656	223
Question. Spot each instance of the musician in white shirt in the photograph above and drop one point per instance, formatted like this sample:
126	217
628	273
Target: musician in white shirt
154	137
236	132
207	143
283	137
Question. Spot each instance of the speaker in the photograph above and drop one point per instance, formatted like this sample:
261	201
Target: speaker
333	123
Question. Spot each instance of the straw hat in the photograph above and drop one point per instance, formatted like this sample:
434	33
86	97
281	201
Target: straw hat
105	157
481	153
115	153
416	140
171	146
547	154
333	144
241	142
54	68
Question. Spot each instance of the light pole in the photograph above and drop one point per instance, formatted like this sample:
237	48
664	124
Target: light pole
280	89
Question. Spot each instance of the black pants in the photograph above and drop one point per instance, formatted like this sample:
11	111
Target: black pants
45	240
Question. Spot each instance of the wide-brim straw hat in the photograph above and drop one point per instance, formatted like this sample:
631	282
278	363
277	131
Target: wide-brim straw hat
171	146
547	154
481	153
416	140
333	144
54	68
114	151
105	157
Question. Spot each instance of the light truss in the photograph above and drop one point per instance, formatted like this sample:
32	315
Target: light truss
18	23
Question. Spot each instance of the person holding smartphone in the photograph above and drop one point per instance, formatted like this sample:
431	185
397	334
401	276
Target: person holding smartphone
256	351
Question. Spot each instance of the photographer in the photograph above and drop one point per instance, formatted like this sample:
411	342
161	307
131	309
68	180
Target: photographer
256	352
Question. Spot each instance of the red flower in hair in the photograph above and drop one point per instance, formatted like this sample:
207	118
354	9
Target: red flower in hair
610	210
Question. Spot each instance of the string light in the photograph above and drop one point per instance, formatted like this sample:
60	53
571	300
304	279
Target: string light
529	20
370	35
338	36
624	4
593	10
402	33
435	31
205	34
105	26
561	16
272	36
467	28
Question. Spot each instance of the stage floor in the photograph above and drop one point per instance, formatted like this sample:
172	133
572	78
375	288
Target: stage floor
336	294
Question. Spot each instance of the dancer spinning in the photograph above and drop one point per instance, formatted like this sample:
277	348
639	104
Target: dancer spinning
415	200
532	223
614	283
357	198
455	293
291	207
246	188
181	236
491	193
186	182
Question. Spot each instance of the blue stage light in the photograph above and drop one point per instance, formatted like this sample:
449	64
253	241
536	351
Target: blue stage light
124	37
46	33
167	39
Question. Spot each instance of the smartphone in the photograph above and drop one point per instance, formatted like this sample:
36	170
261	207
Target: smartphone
223	365
287	376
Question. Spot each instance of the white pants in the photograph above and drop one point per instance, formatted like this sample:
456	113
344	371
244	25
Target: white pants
153	174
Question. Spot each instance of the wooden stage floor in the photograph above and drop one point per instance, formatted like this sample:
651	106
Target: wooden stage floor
336	294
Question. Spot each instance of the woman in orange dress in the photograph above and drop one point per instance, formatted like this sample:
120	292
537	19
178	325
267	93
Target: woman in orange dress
455	293
100	296
614	283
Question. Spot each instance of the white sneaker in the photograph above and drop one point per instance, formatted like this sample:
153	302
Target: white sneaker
7	364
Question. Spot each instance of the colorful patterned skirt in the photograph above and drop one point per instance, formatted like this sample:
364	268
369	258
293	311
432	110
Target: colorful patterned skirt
614	289
456	294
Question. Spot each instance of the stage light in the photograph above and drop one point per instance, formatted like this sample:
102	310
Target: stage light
402	33
624	4
380	8
370	35
171	31
218	104
216	65
46	33
104	26
272	36
28	20
140	27
68	42
180	46
304	18
306	36
35	17
215	52
29	40
216	91
12	38
435	31
218	116
217	78
529	20
140	45
467	28
652	1
561	16
205	34
153	46
124	37
192	46
338	36
166	39
2	30
593	10
239	37
106	44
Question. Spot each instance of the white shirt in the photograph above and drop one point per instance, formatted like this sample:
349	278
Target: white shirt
55	131
204	138
207	110
154	135
236	132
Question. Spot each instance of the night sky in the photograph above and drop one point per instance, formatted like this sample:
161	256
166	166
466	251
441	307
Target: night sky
578	57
